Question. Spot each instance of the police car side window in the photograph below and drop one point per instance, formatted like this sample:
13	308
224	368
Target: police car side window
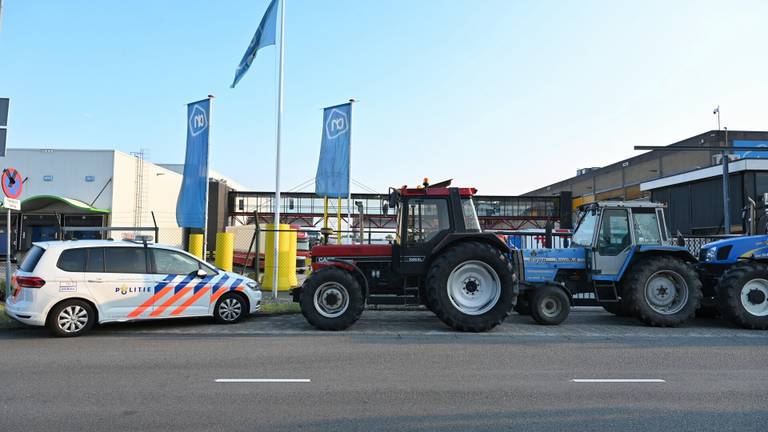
72	260
125	260
172	262
95	263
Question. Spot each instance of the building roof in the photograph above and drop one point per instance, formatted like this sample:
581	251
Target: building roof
705	173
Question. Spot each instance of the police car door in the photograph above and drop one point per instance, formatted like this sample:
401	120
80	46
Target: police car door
117	277
190	279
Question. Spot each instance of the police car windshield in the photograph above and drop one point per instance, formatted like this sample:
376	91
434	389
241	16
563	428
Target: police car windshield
585	230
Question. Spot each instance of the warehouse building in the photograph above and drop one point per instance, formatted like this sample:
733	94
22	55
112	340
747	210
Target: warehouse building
622	180
100	188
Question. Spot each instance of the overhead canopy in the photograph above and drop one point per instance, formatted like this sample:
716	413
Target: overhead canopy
52	202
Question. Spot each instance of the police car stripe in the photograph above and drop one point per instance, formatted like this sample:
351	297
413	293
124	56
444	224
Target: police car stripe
217	289
160	290
179	291
200	289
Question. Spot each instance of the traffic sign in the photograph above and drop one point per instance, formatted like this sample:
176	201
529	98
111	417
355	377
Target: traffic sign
11	204
12	183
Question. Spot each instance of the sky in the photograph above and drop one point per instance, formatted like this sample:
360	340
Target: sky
503	95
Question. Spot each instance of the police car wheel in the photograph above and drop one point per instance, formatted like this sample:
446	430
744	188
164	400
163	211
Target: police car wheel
71	318
230	308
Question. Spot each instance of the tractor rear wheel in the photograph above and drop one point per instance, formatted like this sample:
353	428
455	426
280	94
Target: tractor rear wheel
331	299
472	287
662	291
742	295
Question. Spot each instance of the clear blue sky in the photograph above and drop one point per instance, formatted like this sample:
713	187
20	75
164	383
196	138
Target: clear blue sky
503	95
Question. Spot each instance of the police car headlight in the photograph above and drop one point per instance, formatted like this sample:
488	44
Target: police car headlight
252	285
711	254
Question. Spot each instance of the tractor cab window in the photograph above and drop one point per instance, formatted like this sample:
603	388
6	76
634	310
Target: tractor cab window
646	227
426	219
614	232
471	223
585	231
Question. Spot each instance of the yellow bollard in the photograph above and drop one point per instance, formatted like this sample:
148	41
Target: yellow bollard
196	245
287	277
225	250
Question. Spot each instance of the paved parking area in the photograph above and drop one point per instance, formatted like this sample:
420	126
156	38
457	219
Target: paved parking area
583	322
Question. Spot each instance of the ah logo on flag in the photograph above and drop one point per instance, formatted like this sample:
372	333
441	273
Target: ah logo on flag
198	120
336	124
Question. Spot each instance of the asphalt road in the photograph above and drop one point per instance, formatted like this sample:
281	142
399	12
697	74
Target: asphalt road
400	371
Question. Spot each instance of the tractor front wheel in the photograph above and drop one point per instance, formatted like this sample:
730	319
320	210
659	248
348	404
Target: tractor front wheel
550	305
742	295
662	291
472	287
331	299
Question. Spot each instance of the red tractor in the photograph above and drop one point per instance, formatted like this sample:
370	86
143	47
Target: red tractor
440	258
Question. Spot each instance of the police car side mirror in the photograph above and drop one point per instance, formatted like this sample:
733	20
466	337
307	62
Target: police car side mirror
201	273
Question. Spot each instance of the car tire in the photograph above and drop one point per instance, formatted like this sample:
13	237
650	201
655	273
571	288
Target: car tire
230	308
742	295
662	291
71	318
549	305
331	299
472	286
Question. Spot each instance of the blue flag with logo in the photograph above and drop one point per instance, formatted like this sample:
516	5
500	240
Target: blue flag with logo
190	209
264	36
332	179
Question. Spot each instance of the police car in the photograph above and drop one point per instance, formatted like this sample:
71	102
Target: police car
70	286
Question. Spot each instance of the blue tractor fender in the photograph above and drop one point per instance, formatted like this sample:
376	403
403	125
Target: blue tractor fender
639	252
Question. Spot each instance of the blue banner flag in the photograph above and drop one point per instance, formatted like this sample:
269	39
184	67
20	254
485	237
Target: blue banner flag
332	179
190	209
264	36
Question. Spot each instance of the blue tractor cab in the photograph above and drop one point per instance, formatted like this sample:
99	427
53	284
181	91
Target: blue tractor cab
621	253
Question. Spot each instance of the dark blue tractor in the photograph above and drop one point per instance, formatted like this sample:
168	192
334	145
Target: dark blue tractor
735	276
619	252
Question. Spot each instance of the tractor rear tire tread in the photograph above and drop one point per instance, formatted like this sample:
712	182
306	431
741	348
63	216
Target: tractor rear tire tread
633	290
437	280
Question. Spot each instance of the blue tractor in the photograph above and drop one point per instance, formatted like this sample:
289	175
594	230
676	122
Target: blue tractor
619	252
735	276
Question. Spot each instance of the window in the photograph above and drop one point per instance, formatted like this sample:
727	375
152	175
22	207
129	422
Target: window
31	259
125	260
470	216
646	228
95	263
426	219
72	260
172	262
614	233
585	230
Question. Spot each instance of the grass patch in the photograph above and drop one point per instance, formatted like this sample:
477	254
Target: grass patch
278	308
5	320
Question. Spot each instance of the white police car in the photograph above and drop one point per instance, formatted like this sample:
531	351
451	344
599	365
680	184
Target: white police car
69	286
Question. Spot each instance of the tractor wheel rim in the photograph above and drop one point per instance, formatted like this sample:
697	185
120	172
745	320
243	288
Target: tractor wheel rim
230	309
72	319
331	300
754	297
666	292
550	307
474	287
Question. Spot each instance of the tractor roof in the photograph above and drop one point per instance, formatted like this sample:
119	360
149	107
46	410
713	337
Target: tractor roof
436	191
624	204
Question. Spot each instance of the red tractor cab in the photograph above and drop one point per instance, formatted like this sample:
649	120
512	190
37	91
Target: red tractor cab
440	258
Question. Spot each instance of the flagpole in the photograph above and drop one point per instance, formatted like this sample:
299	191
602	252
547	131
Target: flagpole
207	177
349	180
276	250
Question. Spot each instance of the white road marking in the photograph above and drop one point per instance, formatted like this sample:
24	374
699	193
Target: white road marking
619	380
263	380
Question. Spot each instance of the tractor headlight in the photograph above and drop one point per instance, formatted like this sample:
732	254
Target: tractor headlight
711	254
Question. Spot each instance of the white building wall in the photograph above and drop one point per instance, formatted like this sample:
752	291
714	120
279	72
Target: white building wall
66	172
